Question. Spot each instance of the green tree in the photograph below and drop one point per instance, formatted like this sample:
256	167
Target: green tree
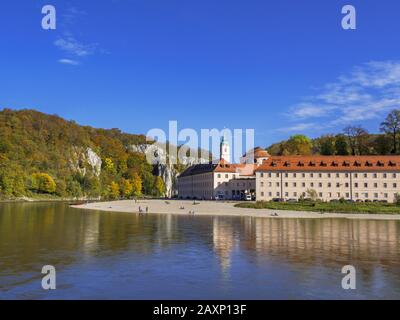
341	145
297	145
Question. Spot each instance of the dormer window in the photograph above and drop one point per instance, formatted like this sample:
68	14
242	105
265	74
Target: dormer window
311	164
287	164
273	163
368	164
322	164
357	164
346	164
392	164
380	164
334	164
300	164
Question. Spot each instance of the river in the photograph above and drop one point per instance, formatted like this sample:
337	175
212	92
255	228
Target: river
106	255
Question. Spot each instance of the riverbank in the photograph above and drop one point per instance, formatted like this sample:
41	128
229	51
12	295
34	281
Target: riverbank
213	208
327	207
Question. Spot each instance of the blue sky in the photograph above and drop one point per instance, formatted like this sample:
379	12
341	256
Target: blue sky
280	67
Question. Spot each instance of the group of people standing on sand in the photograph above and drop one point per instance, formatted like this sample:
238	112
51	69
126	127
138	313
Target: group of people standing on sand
141	211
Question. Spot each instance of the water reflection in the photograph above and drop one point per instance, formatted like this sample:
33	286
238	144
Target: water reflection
197	256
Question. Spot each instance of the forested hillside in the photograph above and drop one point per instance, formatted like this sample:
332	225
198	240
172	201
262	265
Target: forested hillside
46	155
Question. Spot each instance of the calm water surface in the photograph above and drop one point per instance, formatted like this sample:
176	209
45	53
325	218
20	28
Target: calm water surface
101	255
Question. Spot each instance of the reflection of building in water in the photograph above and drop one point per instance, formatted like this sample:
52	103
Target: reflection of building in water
324	239
223	240
89	230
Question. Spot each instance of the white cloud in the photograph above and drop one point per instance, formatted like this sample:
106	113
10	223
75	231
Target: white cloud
69	62
298	127
366	92
71	46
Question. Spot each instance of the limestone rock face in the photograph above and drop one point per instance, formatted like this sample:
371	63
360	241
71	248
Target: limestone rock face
85	161
163	164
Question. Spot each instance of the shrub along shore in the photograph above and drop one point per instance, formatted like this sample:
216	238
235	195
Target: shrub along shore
337	207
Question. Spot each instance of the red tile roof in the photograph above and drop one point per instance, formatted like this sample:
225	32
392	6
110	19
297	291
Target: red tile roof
331	163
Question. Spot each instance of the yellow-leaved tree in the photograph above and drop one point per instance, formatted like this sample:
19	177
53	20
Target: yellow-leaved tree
113	190
136	185
159	187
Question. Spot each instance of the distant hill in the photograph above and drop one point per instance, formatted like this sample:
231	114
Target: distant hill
44	154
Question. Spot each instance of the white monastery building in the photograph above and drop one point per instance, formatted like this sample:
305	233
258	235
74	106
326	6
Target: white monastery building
264	178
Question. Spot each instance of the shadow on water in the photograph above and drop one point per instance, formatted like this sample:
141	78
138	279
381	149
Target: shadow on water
104	255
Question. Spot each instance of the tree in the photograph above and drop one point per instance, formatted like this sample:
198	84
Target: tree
136	185
126	188
159	187
312	194
357	139
297	145
113	190
341	145
391	126
326	145
43	182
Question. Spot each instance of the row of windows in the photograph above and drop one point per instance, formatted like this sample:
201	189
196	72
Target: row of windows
329	195
330	184
330	175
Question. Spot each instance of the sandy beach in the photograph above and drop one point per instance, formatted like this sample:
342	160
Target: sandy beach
212	208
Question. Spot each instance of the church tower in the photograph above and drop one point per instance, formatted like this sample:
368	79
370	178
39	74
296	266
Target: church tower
225	150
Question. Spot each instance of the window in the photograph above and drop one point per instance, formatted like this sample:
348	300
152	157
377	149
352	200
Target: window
375	175
320	185
365	195
365	175
329	175
375	195
270	194
294	194
385	185
347	195
294	184
262	175
394	175
346	175
394	185
303	184
356	194
337	185
303	175
356	185
312	184
262	184
311	175
320	175
385	195
218	175
320	194
365	185
346	184
269	184
262	194
227	176
294	175
385	175
269	175
286	175
286	184
337	175
277	175
375	185
356	175
278	194
329	184
277	184
286	194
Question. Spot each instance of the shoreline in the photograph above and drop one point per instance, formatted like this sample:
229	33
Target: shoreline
213	208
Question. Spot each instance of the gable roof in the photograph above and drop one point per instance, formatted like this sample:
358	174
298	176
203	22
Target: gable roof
331	163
